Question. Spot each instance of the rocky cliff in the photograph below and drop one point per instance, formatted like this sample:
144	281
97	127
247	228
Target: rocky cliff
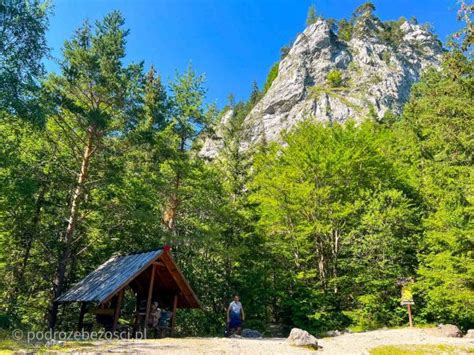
326	78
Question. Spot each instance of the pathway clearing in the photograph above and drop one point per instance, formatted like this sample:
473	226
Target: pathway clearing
354	343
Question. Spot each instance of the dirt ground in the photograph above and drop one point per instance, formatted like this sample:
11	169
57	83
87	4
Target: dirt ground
355	343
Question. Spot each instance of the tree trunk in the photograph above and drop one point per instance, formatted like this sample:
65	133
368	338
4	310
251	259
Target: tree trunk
59	279
169	216
335	254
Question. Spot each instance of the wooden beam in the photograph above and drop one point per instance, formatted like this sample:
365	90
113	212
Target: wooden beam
182	283
80	323
173	320
150	293
117	310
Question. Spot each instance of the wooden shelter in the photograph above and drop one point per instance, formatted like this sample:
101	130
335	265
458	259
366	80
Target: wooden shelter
153	276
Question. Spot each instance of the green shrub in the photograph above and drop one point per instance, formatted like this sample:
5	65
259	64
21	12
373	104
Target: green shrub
334	78
272	74
386	56
345	29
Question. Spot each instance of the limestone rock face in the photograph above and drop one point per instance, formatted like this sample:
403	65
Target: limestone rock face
213	144
300	337
377	77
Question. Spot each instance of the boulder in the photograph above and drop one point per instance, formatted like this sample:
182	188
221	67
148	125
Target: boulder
469	334
333	333
300	337
448	330
251	333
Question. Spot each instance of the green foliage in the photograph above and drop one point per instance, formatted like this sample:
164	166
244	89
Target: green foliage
392	33
314	233
439	115
387	56
255	94
345	29
465	36
285	50
272	74
419	349
366	9
311	17
327	202
334	78
23	45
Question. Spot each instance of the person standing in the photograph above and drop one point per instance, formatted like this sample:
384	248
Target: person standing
235	315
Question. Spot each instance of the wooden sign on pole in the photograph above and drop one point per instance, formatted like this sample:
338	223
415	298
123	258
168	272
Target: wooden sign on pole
407	299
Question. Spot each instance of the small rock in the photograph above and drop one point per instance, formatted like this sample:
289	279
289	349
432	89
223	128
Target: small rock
300	337
469	334
333	333
251	333
53	342
448	330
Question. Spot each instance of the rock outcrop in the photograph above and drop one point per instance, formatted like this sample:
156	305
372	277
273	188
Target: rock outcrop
377	75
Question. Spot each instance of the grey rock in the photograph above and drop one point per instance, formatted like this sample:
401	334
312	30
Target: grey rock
448	330
377	76
300	337
333	333
53	342
251	333
469	334
214	143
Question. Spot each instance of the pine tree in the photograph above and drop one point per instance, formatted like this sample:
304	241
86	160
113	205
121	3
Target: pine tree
255	94
311	17
188	119
92	96
366	9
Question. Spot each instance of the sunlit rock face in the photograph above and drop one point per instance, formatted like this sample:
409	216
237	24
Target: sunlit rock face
377	77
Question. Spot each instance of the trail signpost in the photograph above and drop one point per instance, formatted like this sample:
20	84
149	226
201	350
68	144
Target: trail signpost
407	296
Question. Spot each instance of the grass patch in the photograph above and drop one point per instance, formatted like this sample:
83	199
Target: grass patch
9	346
421	349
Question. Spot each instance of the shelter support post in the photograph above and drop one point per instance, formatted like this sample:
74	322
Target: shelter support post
150	294
80	323
117	310
173	319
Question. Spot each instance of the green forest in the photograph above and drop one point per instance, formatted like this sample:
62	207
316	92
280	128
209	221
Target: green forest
101	157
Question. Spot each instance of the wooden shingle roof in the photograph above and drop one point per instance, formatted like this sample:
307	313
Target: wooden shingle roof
120	271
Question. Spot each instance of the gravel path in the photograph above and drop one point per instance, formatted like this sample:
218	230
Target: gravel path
355	343
208	346
360	343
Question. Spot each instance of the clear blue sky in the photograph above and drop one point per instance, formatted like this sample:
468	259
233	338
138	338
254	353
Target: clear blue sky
232	42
